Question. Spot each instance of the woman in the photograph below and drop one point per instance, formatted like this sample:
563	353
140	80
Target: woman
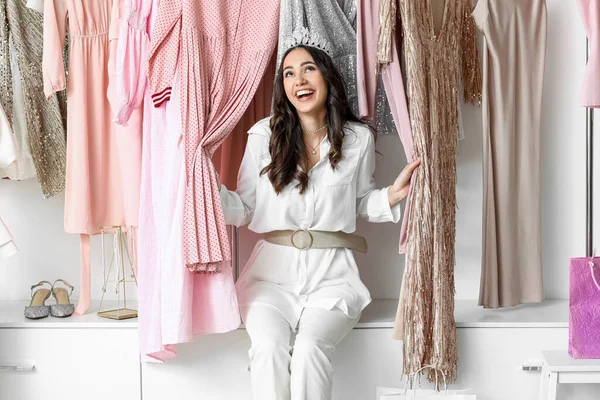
306	173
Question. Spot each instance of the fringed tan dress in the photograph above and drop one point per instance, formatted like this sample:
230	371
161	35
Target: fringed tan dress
434	57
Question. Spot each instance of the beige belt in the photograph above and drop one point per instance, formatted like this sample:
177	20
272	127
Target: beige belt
304	239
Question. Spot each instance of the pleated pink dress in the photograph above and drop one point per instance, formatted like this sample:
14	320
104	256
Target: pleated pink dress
174	304
222	49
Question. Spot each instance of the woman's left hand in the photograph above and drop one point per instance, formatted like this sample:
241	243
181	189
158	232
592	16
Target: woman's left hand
399	190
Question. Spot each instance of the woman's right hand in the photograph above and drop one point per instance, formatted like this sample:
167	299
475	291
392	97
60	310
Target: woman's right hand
399	190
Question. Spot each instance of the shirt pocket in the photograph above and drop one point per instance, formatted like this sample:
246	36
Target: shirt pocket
346	168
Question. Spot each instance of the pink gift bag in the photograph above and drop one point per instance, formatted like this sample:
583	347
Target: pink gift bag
584	308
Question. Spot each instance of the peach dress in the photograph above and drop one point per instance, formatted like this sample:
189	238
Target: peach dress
93	197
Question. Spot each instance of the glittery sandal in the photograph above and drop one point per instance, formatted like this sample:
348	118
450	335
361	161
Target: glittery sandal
63	307
37	307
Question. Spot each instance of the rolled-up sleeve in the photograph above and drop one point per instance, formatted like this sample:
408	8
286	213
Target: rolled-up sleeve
372	204
55	32
238	206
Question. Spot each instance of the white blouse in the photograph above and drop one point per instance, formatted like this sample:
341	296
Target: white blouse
290	279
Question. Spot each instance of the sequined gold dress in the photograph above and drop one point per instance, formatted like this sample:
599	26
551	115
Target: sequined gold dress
436	57
42	120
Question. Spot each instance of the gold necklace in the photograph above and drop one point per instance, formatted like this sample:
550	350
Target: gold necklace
314	149
315	130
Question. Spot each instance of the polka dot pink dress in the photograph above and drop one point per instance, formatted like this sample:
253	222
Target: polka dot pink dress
222	49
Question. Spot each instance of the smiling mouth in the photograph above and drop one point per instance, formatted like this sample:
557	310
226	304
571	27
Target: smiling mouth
304	95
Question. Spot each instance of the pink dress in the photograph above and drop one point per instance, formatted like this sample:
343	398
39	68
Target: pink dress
222	49
174	304
228	157
366	70
93	197
128	136
590	15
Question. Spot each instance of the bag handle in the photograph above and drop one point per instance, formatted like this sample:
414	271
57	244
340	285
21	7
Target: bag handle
410	378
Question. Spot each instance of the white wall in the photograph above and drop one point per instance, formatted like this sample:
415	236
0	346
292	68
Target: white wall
563	132
48	253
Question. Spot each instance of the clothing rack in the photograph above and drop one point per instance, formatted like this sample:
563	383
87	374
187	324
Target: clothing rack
235	251
589	126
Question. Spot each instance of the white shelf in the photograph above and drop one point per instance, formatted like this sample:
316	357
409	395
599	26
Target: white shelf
549	314
380	314
11	316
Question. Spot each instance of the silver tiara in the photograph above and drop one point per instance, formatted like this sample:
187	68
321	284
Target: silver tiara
302	36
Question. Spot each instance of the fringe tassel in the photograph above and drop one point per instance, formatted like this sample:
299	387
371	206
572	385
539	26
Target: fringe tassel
387	26
471	68
432	72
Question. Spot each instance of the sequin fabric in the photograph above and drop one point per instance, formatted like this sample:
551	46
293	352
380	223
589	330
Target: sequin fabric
384	120
331	21
433	62
36	312
6	90
45	119
62	310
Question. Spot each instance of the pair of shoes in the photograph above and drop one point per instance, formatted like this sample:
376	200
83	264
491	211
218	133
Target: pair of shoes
37	307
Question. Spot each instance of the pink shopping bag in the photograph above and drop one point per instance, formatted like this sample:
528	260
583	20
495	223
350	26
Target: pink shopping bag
584	308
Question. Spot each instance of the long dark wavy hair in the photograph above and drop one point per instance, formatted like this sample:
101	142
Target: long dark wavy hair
287	146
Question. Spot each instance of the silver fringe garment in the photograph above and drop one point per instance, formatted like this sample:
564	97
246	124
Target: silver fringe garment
334	22
45	119
433	61
331	21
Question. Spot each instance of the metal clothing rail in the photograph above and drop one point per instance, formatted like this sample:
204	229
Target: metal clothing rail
235	251
589	127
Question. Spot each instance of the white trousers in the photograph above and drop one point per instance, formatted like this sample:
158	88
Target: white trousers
302	371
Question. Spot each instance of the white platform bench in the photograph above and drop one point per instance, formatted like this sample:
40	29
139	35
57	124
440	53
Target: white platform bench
559	367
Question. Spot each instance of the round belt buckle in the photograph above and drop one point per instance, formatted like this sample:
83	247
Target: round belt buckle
309	234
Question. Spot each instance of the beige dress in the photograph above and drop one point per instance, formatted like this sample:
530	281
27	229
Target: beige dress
514	54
